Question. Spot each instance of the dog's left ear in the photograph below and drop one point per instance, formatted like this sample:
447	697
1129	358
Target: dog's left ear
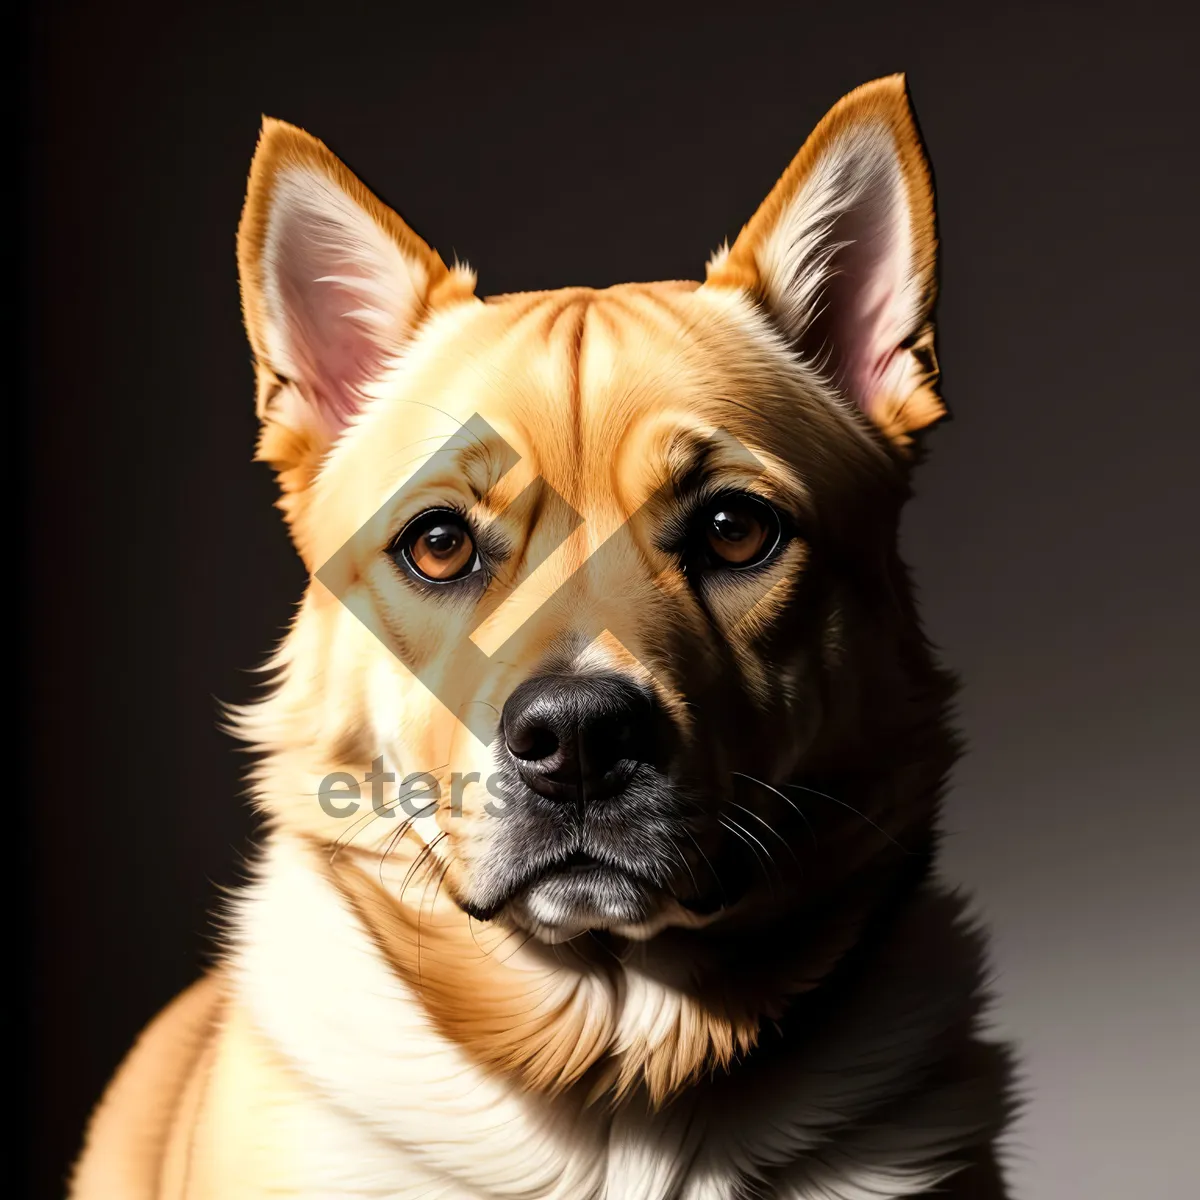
334	285
842	254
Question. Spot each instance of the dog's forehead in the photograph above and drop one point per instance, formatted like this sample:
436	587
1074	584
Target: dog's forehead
580	378
603	394
591	383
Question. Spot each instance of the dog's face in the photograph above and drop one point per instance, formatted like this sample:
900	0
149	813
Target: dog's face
599	573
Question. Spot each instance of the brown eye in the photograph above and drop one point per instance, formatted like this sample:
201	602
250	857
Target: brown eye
437	547
740	530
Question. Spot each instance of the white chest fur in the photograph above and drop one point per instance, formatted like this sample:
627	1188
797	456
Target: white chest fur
398	1110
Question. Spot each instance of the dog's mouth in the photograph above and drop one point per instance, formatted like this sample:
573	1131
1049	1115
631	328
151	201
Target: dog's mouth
577	892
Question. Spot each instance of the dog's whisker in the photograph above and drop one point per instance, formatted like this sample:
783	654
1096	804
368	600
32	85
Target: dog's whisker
392	842
421	901
472	922
421	859
707	862
441	880
766	824
528	937
512	933
360	824
857	813
732	822
688	866
459	427
789	802
733	827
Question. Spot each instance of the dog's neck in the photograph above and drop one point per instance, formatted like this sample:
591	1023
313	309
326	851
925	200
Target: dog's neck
609	1015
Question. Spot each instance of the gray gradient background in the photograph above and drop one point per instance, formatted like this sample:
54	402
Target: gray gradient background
1053	537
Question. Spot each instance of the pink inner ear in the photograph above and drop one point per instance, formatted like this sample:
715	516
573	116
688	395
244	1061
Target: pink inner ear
340	294
865	304
333	353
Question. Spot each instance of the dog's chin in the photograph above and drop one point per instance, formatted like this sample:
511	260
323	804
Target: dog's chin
576	899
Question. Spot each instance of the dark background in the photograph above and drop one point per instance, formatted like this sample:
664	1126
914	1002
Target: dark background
1053	535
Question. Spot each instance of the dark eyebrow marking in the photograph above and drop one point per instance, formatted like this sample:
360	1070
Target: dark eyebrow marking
690	456
697	460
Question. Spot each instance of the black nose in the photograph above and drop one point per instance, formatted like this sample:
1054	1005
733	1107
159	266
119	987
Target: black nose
578	737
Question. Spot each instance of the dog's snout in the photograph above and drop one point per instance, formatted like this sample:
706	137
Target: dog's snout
576	736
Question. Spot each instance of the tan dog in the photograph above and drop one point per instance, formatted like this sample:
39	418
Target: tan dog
603	757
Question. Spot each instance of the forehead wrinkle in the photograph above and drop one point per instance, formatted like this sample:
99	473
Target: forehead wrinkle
645	371
570	337
685	319
483	466
543	405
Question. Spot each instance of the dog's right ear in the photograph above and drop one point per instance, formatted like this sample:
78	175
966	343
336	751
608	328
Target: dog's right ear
334	284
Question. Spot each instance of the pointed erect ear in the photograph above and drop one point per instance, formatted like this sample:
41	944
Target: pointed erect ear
842	254
334	284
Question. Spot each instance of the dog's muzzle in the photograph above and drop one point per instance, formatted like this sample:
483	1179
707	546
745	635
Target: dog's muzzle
585	838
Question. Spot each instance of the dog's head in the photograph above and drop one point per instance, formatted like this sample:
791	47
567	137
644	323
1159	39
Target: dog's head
604	581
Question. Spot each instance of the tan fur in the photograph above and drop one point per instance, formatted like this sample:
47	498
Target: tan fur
138	1134
358	999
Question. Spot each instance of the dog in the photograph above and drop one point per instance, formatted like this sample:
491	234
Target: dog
602	759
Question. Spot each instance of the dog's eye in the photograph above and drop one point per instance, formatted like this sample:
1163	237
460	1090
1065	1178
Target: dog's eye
437	547
739	530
